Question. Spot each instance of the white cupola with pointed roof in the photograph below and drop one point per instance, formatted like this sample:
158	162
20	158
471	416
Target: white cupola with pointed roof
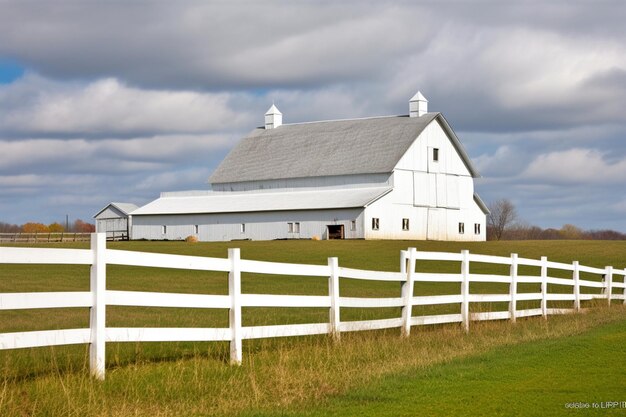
273	118
418	105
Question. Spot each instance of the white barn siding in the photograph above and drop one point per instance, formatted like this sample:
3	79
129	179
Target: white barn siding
402	192
111	225
419	153
452	191
258	225
110	212
390	217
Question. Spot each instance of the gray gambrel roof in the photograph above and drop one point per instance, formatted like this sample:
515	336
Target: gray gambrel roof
339	147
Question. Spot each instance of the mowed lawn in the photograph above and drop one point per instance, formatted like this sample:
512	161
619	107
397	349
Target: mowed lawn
290	375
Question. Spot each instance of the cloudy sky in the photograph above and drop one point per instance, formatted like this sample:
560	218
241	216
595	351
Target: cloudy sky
118	101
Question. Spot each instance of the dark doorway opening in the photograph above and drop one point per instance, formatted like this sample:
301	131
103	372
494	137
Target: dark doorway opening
335	231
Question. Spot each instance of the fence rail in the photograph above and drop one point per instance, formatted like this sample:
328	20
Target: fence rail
44	237
98	298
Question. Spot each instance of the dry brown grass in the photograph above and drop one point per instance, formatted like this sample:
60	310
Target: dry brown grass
276	374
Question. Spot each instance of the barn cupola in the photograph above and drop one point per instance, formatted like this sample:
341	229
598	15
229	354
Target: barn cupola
418	105
273	118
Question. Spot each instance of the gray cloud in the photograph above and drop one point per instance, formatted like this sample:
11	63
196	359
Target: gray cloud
122	101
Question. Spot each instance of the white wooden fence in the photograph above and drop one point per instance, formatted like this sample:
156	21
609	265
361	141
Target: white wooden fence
98	298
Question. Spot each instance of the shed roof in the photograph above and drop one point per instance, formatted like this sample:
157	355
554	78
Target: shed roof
337	147
125	208
251	201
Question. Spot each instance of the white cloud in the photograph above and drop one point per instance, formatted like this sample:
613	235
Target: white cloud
107	106
506	161
576	166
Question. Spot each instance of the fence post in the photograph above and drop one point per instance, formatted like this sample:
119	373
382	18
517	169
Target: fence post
624	291
513	288
407	294
544	287
403	259
609	284
333	292
465	284
576	277
97	316
234	290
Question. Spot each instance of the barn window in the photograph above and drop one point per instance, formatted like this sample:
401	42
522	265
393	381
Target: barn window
296	227
405	224
164	229
375	223
461	228
353	225
243	228
290	227
477	228
435	154
195	229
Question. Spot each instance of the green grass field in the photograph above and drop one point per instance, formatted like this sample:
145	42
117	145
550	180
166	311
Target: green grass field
293	375
538	378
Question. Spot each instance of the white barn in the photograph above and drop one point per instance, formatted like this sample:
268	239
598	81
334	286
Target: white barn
395	177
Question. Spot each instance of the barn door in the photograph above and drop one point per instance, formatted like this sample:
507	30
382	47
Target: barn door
436	228
442	193
424	189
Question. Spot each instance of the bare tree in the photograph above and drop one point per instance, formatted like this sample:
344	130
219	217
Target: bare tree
502	215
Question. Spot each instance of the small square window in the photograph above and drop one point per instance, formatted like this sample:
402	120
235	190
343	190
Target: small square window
436	154
375	223
405	224
164	229
461	228
243	228
296	227
353	225
195	229
290	227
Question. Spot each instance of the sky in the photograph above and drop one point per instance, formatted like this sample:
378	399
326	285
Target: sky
118	101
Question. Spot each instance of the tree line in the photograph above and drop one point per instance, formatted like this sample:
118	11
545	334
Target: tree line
78	226
503	223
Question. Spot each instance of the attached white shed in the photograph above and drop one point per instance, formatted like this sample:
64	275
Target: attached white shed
257	215
115	220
